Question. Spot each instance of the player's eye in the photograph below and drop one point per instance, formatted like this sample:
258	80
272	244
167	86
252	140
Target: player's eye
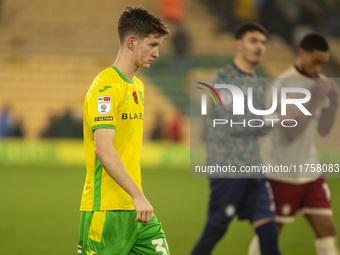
253	40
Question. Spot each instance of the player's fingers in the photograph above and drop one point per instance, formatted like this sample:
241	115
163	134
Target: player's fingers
139	216
144	216
149	216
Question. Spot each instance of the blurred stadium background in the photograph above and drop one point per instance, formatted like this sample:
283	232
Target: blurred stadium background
50	51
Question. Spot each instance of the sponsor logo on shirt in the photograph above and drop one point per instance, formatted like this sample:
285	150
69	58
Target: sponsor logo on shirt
105	88
132	116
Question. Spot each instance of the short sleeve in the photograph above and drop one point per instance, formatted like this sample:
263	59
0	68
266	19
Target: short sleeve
102	108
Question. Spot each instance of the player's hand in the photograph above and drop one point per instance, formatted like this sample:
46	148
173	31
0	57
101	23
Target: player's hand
333	93
321	90
143	208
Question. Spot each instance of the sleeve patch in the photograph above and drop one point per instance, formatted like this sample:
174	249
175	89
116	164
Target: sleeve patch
104	104
103	118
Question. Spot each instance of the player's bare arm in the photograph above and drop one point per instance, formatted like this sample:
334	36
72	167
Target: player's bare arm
328	115
320	92
112	163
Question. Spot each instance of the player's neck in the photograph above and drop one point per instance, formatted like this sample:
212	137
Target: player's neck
243	65
299	67
125	65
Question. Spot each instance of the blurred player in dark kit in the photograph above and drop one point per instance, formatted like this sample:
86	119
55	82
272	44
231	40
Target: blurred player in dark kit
248	198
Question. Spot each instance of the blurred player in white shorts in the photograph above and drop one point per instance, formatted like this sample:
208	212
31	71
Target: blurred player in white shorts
300	191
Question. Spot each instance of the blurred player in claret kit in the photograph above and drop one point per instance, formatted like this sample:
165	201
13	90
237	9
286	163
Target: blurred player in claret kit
307	192
116	218
230	195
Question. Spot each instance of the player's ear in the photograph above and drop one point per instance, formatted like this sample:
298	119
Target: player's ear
131	42
301	52
237	44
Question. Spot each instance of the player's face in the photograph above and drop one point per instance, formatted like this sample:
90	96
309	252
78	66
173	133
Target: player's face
147	50
311	63
252	46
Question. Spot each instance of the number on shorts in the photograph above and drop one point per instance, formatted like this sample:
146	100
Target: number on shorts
159	247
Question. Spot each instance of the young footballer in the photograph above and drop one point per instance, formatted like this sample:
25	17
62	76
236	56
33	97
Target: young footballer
116	217
230	195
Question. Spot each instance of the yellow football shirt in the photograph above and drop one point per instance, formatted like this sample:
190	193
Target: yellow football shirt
115	102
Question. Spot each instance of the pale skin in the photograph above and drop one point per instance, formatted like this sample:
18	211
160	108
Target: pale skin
249	52
311	64
134	52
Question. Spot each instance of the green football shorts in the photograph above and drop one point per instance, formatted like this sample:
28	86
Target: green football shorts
117	233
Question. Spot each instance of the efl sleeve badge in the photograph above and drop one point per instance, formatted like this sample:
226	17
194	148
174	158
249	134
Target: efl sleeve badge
104	104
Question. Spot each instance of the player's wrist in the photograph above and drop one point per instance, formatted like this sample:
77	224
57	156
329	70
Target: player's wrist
136	194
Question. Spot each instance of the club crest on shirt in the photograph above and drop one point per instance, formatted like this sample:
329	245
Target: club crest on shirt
104	104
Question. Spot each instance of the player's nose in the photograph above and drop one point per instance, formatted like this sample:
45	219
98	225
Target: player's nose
155	53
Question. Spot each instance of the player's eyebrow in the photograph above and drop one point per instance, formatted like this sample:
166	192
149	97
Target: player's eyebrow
255	39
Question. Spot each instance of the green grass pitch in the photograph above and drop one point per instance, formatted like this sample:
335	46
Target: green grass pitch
40	212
